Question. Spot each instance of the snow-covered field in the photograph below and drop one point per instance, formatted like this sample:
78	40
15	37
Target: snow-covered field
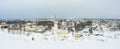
15	41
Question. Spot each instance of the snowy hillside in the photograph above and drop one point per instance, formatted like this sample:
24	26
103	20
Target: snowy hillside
16	41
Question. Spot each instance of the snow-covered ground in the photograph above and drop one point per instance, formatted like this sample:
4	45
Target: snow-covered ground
16	41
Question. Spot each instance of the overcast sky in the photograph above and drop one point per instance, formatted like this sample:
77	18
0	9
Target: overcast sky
60	8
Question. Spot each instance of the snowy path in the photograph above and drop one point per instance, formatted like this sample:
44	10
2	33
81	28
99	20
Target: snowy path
14	41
